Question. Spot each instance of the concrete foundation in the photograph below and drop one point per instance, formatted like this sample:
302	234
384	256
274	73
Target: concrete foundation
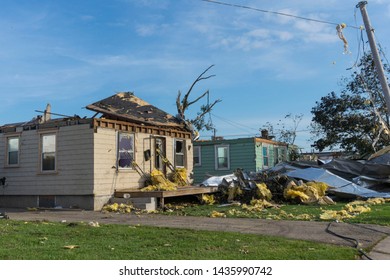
144	203
86	202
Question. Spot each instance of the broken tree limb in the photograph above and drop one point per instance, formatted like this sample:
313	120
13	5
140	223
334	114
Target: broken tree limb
183	104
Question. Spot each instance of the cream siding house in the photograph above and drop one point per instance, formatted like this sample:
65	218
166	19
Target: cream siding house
80	163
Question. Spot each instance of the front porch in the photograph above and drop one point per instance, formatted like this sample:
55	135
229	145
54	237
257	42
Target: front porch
161	195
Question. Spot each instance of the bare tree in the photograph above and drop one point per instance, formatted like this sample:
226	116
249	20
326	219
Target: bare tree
183	104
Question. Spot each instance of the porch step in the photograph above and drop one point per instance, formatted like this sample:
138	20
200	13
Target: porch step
144	203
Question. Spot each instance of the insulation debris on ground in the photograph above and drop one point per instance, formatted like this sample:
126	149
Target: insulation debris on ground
70	247
116	207
208	199
257	205
350	211
216	214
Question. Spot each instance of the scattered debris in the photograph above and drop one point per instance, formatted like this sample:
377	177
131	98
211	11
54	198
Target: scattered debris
216	214
208	199
339	29
335	215
350	211
70	247
262	194
257	205
115	207
3	215
93	224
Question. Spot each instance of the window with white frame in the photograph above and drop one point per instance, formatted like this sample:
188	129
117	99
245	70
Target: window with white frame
265	156
125	150
13	150
222	160
197	156
48	152
179	153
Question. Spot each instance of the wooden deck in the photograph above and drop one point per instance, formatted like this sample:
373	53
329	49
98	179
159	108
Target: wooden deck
182	191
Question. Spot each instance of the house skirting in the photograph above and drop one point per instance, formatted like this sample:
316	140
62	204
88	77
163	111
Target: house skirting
86	202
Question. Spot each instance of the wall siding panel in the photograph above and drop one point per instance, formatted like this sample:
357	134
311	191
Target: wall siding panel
72	155
245	153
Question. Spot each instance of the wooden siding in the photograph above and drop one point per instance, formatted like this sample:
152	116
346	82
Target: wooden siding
107	178
242	155
245	153
74	162
86	162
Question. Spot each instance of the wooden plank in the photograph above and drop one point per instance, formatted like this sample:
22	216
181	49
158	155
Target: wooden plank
161	194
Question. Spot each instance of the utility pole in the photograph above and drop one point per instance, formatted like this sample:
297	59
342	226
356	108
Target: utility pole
378	64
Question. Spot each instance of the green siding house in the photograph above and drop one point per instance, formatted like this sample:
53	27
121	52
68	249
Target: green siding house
221	157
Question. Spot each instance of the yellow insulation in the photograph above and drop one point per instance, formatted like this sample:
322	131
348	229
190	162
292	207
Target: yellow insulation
115	207
310	192
208	199
263	192
159	182
216	214
180	176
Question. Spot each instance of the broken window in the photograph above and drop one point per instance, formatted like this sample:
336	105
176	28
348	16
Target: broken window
48	152
179	153
13	150
125	150
197	157
222	157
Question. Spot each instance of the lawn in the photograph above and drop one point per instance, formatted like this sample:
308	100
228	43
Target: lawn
80	241
379	213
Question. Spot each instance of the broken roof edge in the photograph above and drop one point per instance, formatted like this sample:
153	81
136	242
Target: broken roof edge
35	124
125	106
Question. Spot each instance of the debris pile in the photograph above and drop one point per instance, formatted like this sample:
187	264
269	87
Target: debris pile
158	182
270	186
309	193
309	182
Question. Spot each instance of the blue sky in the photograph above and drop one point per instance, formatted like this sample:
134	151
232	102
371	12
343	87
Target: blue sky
71	53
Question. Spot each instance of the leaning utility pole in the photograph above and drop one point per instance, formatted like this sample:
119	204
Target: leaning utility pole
378	64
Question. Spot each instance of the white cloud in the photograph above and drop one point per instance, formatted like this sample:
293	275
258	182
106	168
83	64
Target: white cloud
87	17
146	30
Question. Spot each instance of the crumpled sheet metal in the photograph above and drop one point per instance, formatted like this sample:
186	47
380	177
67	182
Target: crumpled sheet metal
337	184
216	181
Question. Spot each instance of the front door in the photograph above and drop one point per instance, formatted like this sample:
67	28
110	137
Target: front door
159	151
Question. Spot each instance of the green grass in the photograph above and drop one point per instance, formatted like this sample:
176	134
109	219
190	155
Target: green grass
46	241
379	214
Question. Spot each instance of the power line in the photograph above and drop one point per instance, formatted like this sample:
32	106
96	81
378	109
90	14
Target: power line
236	124
276	13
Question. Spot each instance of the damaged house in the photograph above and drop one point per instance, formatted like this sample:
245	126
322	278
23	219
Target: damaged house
218	157
81	162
